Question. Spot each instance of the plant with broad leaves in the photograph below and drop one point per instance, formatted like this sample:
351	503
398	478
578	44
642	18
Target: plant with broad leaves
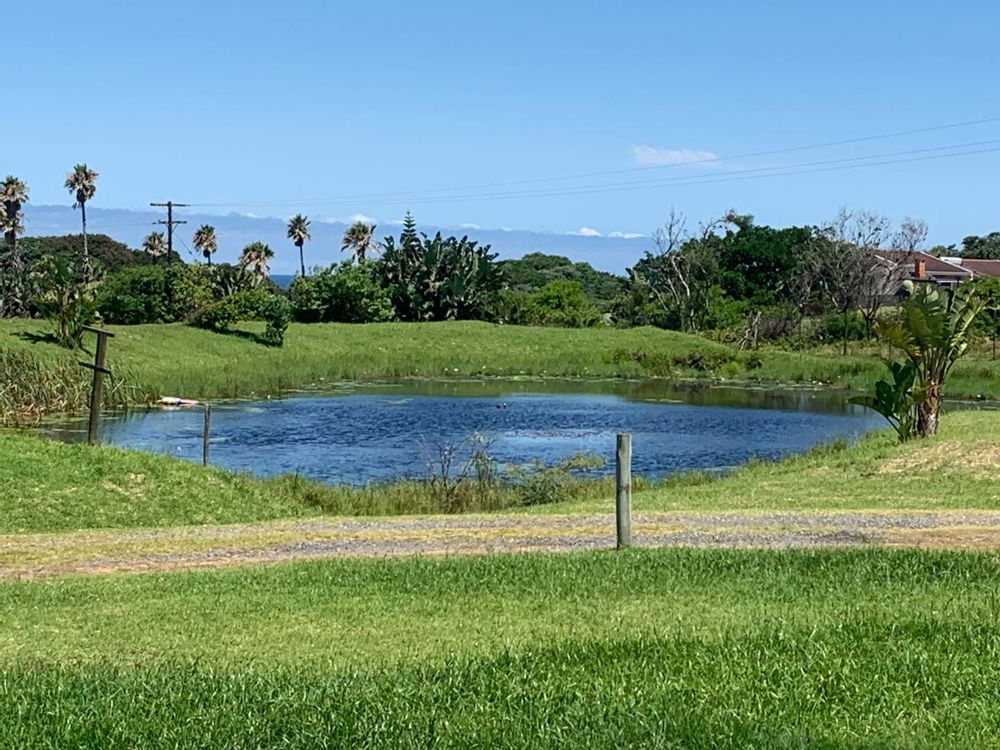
897	401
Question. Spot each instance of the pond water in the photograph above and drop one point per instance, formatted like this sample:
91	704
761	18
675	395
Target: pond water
356	433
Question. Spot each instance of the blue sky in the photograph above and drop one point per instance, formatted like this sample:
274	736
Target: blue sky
269	108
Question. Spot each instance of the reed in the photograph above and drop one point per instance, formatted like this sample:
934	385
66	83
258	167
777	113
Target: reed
32	387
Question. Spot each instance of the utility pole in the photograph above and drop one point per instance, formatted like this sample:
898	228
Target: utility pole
170	222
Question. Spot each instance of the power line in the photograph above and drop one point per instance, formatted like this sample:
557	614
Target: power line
827	165
537	180
776	171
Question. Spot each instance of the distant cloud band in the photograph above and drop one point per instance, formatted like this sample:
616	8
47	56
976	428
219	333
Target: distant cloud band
652	156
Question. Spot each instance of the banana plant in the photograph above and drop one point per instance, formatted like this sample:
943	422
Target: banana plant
933	332
898	400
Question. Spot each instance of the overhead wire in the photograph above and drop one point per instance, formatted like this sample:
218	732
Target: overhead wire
605	173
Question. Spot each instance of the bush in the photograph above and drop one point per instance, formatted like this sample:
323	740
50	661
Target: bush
277	313
344	293
189	289
834	326
254	304
563	304
218	316
135	295
541	484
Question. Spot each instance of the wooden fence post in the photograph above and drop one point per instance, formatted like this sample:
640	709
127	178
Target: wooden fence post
97	388
204	435
623	490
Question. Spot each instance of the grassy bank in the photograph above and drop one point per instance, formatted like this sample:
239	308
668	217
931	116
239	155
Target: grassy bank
179	360
680	648
51	486
955	469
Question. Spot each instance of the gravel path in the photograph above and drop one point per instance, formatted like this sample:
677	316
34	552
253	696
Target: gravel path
37	555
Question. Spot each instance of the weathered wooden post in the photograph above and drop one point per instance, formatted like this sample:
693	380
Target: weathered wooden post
623	490
204	435
97	389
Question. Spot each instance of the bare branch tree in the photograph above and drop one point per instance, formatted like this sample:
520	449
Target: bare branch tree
911	235
851	265
672	234
681	272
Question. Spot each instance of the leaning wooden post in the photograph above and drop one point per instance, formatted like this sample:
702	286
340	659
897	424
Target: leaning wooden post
97	388
204	435
623	490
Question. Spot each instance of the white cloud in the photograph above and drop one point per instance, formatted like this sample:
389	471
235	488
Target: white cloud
349	220
625	235
468	225
652	156
587	232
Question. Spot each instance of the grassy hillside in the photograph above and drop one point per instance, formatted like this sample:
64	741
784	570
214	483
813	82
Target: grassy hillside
179	360
50	486
673	648
182	360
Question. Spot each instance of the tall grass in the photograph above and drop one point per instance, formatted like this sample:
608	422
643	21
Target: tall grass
31	387
180	360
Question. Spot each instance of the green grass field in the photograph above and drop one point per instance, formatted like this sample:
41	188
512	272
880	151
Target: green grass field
671	648
180	360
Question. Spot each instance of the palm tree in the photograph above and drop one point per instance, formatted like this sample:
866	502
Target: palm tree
81	185
13	196
298	232
155	244
257	254
204	241
360	240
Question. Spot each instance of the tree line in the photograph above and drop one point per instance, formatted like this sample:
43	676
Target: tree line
730	278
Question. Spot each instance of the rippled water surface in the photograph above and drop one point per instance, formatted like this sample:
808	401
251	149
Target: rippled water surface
359	433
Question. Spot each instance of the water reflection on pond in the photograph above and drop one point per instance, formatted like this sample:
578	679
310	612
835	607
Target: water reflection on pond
357	433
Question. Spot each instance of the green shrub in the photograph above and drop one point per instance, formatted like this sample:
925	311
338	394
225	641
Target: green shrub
562	304
344	293
540	484
189	289
253	304
135	295
276	311
835	325
218	316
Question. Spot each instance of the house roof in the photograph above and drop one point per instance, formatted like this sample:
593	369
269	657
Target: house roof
982	267
932	265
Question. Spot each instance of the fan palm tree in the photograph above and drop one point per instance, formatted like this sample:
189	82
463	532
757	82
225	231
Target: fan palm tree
359	239
13	196
205	242
257	255
81	185
298	232
155	245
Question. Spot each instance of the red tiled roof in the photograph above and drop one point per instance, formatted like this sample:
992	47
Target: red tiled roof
982	267
932	265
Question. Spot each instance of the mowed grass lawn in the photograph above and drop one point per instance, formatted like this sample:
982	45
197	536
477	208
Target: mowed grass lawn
179	360
50	486
669	648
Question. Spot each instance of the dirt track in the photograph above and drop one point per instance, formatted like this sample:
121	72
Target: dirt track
38	555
